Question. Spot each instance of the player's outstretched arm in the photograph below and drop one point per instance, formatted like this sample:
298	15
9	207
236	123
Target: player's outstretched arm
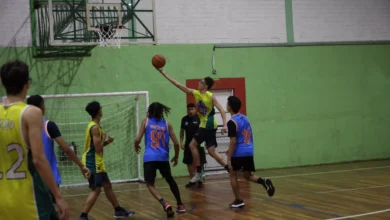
172	135
176	83
138	139
33	118
222	111
71	155
96	139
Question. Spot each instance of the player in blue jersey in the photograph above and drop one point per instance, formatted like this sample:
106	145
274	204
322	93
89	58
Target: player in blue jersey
156	157
241	151
51	133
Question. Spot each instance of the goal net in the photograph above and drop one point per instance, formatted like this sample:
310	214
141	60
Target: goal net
122	115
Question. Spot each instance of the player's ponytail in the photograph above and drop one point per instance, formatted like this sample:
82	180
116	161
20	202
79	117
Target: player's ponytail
157	110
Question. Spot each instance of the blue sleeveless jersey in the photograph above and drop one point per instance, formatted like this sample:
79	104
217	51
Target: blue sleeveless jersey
48	144
156	140
244	139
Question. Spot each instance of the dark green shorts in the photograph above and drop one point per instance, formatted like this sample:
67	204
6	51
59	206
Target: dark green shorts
98	179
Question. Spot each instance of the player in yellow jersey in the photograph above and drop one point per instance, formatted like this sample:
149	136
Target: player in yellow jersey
25	174
95	141
205	102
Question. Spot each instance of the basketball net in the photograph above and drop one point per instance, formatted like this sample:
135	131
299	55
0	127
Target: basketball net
109	36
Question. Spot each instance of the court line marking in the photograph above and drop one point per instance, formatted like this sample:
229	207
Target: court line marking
318	192
353	189
273	177
326	172
360	215
336	190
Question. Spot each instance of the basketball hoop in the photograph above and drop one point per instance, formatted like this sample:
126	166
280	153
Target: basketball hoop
109	36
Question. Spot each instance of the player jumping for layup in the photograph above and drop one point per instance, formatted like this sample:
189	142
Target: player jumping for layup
156	157
240	153
95	141
205	101
51	133
23	164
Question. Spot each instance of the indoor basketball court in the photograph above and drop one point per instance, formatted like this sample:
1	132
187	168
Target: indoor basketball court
319	111
342	191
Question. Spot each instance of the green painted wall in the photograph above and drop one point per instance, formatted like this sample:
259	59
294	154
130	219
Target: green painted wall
307	105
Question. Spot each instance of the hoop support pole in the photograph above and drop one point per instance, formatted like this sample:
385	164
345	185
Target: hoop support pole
51	23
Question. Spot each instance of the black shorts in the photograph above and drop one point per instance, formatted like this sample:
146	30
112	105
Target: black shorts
187	159
243	164
98	179
151	167
209	136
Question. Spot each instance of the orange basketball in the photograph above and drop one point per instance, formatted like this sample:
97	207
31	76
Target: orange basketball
158	61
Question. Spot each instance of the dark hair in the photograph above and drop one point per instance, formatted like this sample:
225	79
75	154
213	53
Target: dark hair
14	75
209	82
190	105
35	100
157	110
234	103
93	108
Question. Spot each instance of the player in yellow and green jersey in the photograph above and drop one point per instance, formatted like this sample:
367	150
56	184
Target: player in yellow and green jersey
95	141
25	174
205	102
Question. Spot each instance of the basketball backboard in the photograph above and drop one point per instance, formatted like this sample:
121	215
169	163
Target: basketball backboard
72	22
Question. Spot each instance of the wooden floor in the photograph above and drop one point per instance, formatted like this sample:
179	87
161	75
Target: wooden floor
318	192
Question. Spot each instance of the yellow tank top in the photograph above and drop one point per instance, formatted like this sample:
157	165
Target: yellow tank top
206	112
20	185
92	159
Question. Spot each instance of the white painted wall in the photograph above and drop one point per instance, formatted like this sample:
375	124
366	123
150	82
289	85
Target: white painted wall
221	21
341	20
15	27
232	21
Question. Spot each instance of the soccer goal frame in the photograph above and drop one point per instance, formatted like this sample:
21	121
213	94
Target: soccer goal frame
136	96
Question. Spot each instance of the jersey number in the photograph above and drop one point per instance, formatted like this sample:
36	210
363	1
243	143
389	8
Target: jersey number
156	137
247	136
12	172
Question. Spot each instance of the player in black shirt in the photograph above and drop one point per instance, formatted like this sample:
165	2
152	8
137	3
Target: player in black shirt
189	126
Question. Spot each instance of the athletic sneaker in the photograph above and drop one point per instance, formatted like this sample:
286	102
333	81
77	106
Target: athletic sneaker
197	177
190	184
269	187
200	184
168	209
123	213
181	209
237	203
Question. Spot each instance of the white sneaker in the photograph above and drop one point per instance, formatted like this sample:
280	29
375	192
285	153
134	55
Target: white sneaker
196	177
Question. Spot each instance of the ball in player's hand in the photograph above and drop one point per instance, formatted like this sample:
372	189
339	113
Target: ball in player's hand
158	61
